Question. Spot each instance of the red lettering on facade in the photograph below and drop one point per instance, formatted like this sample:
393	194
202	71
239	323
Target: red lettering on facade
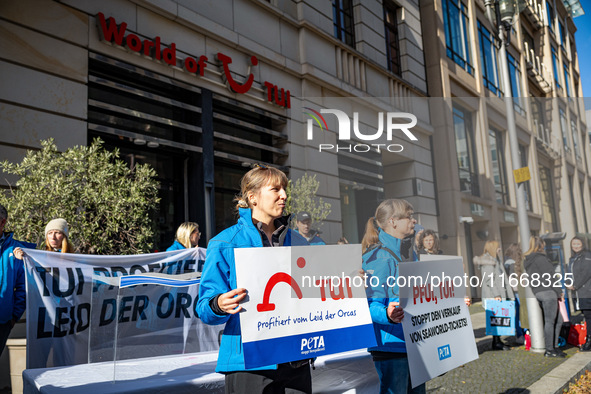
109	29
278	95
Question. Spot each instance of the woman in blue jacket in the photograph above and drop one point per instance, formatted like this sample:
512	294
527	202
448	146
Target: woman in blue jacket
261	224
384	246
187	236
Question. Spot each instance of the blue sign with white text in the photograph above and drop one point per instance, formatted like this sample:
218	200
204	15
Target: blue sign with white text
444	352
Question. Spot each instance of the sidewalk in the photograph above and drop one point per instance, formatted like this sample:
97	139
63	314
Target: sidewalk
514	371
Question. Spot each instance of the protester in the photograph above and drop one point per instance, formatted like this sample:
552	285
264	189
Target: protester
428	242
261	224
580	267
495	282
187	236
12	286
536	262
303	224
56	240
514	270
56	237
383	248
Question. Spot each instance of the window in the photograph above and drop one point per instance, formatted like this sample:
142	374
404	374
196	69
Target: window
572	203
391	25
515	78
499	173
548	211
457	34
550	15
523	161
488	58
465	150
539	120
575	133
563	128
582	189
556	68
566	81
342	14
529	40
561	33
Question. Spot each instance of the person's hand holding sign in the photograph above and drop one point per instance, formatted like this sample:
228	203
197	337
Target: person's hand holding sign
395	313
230	302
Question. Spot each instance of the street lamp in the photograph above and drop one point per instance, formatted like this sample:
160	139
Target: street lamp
501	14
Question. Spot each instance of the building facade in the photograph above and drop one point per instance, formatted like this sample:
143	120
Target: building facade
203	92
473	160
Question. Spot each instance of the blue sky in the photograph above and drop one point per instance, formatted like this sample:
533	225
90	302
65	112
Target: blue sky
583	39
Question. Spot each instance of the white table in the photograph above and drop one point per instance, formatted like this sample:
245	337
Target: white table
190	373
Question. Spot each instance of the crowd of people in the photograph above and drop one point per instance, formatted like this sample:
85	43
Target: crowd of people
391	236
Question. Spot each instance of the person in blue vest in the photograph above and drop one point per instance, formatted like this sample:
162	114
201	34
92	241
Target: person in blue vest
303	224
12	284
187	236
386	244
261	223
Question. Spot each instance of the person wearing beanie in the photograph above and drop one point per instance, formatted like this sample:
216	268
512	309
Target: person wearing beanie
56	236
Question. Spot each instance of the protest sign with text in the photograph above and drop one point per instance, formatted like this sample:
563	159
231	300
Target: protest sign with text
437	326
500	317
75	315
303	302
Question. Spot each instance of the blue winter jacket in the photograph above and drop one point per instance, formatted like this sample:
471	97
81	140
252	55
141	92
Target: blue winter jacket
175	246
381	264
12	285
219	276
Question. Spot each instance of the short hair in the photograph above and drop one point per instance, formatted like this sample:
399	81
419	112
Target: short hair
183	233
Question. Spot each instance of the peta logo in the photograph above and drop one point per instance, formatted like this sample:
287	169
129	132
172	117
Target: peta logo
389	123
444	352
312	344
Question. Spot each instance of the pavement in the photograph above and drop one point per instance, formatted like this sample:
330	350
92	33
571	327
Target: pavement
512	371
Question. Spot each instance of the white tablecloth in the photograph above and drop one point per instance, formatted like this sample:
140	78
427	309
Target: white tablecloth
189	373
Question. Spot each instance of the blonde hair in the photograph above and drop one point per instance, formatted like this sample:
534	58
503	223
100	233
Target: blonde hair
536	245
491	247
391	208
183	233
67	246
256	179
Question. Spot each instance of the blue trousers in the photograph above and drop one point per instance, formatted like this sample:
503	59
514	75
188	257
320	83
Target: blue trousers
395	377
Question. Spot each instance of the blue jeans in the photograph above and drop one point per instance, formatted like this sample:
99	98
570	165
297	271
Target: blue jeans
395	377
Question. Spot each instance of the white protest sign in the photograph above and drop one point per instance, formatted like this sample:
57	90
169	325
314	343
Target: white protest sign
303	302
437	326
